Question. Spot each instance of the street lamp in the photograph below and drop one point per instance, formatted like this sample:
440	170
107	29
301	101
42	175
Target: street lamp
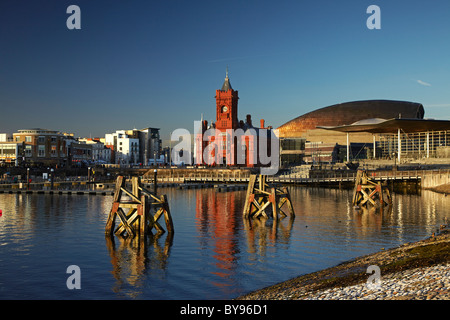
51	178
155	173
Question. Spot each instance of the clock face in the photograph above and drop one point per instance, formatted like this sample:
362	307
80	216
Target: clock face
224	109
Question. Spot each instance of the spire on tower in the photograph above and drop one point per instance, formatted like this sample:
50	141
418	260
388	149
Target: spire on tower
226	85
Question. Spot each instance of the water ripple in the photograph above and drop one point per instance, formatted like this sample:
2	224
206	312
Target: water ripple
214	254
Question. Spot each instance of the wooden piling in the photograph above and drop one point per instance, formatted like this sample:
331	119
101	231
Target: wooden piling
138	220
259	198
369	192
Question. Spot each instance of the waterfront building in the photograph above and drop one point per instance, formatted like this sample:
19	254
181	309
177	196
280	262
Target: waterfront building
80	154
5	137
404	138
42	146
150	148
307	125
100	153
9	150
213	143
316	130
136	146
125	147
11	153
292	151
316	152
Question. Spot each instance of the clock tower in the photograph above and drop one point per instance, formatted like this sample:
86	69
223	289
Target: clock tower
226	106
224	147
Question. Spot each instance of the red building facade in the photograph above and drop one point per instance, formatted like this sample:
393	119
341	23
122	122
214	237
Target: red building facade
229	141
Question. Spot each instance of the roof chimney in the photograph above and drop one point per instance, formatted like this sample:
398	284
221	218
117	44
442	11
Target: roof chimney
262	123
249	120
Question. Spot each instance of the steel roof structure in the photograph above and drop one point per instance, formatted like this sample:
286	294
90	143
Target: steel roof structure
392	126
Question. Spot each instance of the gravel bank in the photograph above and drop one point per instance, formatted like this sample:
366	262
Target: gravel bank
431	283
413	271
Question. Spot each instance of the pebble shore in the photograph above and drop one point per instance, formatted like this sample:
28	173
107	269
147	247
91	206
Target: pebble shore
431	283
413	271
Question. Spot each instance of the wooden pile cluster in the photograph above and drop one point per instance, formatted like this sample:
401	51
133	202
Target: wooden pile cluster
133	208
260	197
368	192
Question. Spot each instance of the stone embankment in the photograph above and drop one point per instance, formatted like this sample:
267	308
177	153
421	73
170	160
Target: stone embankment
413	271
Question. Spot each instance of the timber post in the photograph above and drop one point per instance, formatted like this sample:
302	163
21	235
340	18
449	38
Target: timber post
136	219
369	192
260	196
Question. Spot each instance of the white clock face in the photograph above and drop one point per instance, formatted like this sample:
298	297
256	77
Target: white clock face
224	109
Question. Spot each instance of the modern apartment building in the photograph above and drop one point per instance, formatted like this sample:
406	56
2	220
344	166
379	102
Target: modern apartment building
125	147
149	145
134	146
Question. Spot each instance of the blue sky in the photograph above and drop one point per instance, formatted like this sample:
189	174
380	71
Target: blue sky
136	64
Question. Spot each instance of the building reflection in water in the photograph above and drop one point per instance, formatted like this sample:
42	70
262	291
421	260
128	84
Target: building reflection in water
219	221
216	221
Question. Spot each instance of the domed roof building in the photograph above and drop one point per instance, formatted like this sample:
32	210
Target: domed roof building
348	113
318	143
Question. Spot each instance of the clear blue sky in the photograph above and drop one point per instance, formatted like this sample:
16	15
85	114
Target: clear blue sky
136	64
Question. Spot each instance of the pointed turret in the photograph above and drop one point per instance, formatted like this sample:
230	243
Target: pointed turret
226	85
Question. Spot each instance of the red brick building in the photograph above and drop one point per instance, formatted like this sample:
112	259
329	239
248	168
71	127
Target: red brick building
230	141
41	146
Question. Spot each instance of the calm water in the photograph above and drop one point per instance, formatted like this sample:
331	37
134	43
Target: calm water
214	254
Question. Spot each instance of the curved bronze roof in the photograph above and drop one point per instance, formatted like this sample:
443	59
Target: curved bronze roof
350	112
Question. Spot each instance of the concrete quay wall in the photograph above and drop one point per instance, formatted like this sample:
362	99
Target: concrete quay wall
434	179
